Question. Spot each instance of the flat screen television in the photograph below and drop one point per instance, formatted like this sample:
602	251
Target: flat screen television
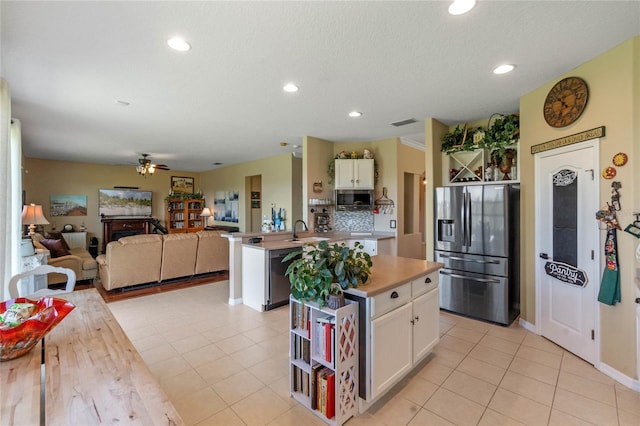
124	202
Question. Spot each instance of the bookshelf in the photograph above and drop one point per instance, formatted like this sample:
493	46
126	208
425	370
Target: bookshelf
184	215
324	359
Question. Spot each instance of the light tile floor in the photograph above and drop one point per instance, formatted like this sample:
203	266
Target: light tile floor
228	365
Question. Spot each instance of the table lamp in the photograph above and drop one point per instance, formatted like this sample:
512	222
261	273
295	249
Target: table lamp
206	213
32	216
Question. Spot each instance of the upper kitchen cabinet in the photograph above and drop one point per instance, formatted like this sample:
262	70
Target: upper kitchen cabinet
354	174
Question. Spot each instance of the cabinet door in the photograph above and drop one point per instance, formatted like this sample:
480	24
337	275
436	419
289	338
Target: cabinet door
391	348
344	174
363	174
426	328
371	247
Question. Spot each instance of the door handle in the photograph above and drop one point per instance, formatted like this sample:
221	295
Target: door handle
494	262
544	256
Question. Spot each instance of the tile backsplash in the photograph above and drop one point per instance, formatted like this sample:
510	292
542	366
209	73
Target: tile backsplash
353	221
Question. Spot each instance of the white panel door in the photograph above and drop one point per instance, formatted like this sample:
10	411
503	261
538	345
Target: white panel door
426	324
567	236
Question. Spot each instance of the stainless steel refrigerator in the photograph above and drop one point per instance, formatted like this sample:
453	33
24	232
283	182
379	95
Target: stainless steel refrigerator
477	237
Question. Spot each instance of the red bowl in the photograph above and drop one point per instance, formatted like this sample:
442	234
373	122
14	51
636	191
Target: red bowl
17	341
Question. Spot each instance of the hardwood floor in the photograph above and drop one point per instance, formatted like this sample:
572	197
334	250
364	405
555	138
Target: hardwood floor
146	289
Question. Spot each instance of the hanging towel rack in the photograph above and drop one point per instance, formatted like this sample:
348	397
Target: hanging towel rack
384	200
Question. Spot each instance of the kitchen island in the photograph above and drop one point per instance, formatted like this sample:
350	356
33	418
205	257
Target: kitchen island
398	317
249	280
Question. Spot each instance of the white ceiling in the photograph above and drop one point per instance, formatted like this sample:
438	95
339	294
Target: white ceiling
67	63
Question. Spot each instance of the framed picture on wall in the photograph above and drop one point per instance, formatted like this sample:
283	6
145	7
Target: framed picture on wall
182	185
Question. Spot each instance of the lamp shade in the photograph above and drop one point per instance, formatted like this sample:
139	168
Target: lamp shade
32	216
206	212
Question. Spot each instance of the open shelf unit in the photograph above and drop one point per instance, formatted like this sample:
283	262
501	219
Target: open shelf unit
324	359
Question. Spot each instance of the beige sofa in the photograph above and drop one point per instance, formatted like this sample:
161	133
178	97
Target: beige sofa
77	259
152	258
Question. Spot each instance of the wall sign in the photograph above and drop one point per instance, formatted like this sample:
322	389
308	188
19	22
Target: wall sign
598	132
566	273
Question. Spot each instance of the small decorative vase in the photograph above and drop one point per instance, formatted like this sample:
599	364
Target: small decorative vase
335	301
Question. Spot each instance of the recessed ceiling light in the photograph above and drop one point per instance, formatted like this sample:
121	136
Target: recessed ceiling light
355	114
290	88
503	69
179	44
460	7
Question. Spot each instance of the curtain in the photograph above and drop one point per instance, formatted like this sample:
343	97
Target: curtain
10	191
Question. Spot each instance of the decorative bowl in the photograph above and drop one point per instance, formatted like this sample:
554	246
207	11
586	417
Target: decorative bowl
19	340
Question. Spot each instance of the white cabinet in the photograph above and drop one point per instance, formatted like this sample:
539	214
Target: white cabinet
323	353
76	239
370	246
391	348
425	324
254	276
354	174
404	329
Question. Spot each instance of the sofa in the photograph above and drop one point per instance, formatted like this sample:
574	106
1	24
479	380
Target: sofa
60	255
155	258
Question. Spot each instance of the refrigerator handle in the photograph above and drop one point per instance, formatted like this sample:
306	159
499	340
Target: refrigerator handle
482	280
467	220
493	262
464	218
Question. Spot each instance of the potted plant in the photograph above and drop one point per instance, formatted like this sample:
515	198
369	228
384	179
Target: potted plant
459	139
500	134
321	271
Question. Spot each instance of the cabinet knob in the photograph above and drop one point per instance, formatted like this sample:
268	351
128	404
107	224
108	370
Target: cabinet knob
394	295
417	318
427	280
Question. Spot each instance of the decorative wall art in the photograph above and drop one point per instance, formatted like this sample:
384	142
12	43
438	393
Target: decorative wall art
68	205
182	185
225	206
129	202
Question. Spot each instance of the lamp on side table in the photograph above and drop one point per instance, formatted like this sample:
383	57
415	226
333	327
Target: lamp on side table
32	215
206	213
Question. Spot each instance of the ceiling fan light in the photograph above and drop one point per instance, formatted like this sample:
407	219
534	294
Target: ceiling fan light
460	7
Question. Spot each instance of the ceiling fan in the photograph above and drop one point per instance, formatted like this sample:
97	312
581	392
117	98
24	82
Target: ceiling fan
146	167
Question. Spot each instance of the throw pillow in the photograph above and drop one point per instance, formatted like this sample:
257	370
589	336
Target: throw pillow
57	235
55	247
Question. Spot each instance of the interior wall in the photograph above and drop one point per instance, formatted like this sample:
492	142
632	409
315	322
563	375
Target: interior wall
43	178
411	163
613	81
433	131
277	175
316	154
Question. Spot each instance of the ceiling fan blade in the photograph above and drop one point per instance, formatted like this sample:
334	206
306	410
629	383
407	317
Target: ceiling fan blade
162	167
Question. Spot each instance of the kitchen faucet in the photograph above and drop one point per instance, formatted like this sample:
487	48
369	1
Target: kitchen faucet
294	237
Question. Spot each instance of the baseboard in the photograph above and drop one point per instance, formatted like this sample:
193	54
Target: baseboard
237	301
527	326
619	377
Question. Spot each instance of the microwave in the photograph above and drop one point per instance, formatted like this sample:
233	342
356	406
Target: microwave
354	199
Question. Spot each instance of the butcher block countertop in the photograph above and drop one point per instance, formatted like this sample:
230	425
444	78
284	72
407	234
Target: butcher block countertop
388	272
93	375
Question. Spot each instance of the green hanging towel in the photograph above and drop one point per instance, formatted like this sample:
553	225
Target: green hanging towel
610	285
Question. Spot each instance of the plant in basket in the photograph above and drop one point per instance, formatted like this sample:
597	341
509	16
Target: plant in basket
320	273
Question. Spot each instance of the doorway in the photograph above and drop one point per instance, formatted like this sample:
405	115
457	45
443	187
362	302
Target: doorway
254	203
567	270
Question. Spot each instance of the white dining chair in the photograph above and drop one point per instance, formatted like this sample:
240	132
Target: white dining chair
42	270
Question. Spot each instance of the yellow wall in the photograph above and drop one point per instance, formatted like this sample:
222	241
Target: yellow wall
277	186
411	161
43	178
614	85
316	155
613	81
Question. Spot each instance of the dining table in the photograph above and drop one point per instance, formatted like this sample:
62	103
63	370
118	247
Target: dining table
85	371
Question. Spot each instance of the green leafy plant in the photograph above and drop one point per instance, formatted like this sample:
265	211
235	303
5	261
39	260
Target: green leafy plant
325	268
459	139
500	134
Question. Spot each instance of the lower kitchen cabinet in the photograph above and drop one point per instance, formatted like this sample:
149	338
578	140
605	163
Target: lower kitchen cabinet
401	327
391	348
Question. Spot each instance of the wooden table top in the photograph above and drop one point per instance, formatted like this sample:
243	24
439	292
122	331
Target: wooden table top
93	375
